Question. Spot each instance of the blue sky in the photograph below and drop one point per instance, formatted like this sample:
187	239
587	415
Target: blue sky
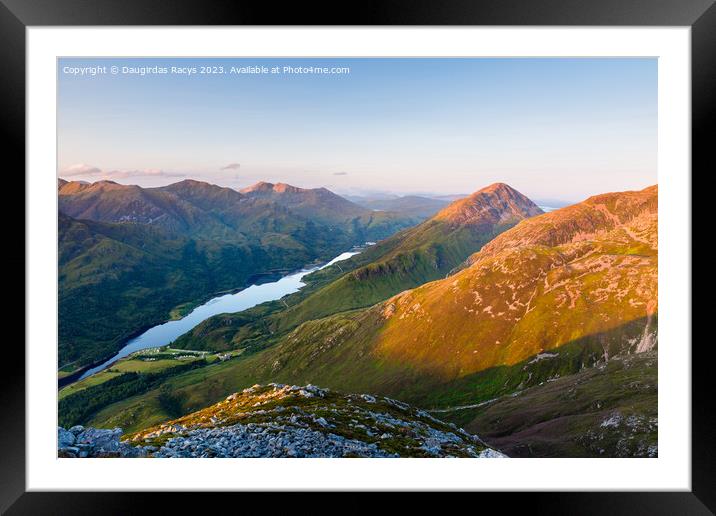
552	128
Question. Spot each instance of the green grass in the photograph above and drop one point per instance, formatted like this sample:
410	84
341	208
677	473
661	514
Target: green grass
90	381
81	405
130	415
132	364
143	366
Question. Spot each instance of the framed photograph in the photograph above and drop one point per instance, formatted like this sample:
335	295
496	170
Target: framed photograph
425	249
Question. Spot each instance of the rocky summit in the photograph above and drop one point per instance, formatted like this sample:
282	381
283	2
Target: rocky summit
278	420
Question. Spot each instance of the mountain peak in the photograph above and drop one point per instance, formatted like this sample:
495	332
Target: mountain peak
194	185
65	187
495	187
283	188
499	189
101	185
261	186
192	182
266	187
496	204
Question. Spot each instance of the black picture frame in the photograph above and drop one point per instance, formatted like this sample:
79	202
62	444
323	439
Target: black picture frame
17	15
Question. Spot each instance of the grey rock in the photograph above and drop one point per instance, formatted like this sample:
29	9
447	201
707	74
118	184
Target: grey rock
101	440
126	450
489	453
64	438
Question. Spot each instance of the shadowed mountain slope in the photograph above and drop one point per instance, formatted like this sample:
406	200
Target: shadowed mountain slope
604	411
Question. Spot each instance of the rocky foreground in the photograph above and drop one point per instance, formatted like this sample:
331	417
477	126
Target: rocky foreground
286	421
83	442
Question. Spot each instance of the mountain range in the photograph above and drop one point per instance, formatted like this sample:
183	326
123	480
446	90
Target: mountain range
199	209
538	331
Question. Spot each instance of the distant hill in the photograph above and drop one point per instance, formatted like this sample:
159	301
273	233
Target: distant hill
107	201
196	208
410	205
319	204
325	207
450	197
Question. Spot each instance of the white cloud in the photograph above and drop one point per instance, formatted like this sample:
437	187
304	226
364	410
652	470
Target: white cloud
80	169
92	172
231	166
